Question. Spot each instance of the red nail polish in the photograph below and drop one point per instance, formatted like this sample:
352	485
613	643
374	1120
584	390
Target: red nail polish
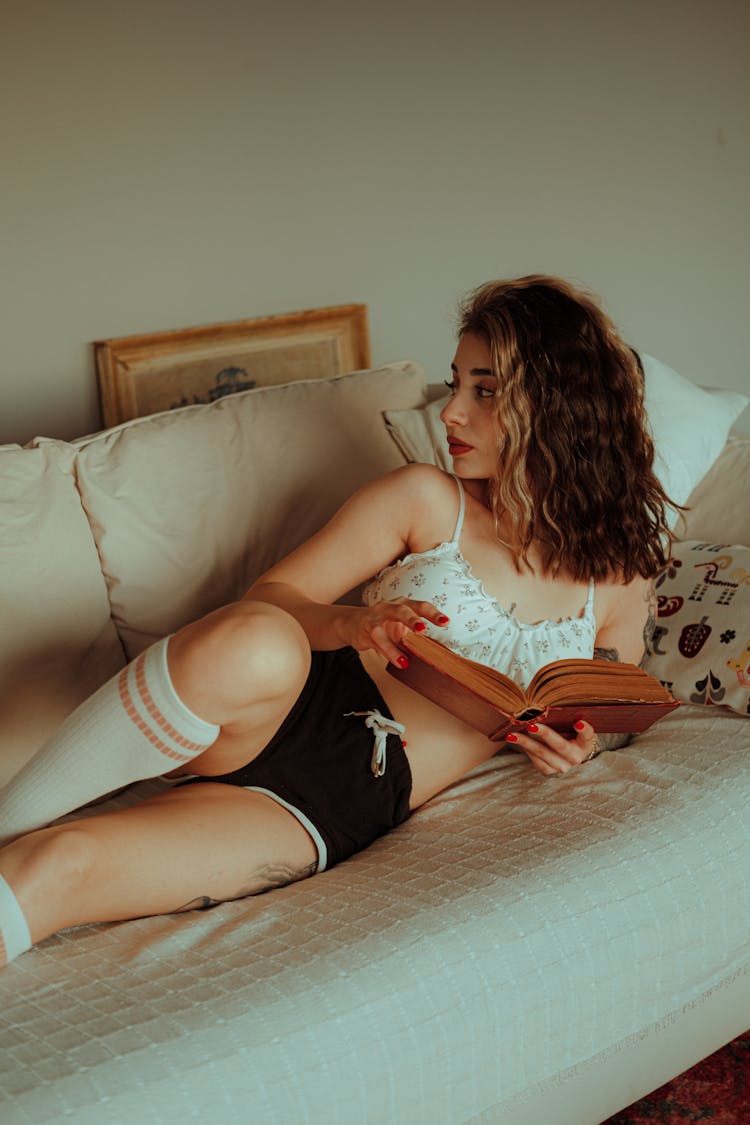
443	620
419	626
511	737
579	725
532	728
402	662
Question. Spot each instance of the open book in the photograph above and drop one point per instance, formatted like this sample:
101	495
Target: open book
614	698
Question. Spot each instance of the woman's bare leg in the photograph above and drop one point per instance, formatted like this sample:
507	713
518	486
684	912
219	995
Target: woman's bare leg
241	667
189	847
225	682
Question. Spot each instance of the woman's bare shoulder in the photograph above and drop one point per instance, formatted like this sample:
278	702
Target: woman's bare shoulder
420	482
428	498
624	615
422	472
618	598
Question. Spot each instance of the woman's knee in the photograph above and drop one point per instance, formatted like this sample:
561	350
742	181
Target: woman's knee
261	643
241	652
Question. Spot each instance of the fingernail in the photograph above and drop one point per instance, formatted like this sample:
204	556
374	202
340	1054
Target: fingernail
511	737
579	725
402	662
404	742
419	626
443	620
532	727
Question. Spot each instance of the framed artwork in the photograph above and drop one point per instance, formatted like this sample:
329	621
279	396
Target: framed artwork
140	375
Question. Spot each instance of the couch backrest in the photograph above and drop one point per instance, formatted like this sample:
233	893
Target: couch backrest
112	541
57	642
188	507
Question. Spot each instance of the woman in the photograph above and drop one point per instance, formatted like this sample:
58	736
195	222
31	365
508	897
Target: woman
302	748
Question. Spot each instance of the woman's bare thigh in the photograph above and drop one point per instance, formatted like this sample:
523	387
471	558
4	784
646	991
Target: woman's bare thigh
190	847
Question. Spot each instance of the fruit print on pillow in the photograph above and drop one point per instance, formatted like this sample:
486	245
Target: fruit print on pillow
700	649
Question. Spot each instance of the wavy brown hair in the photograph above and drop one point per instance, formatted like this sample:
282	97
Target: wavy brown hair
575	456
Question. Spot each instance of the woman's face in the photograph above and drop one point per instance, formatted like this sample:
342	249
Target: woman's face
469	416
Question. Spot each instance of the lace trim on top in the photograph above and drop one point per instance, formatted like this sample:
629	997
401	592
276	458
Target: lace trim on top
480	627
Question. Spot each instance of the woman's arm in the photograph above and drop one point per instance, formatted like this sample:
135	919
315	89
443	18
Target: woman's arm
378	524
627	621
637	648
628	624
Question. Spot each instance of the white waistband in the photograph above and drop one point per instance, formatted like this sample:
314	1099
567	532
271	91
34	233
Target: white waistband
305	821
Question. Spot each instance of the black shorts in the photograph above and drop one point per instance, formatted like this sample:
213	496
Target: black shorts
319	763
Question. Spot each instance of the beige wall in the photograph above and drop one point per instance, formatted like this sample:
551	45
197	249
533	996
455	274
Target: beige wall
173	164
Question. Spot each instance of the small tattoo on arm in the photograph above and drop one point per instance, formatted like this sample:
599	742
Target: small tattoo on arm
650	626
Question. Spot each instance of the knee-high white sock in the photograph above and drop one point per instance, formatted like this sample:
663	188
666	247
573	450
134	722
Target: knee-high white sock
133	727
14	931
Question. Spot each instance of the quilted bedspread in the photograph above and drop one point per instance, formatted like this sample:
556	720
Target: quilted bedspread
515	928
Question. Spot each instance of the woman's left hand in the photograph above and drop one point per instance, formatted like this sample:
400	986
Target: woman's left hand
551	753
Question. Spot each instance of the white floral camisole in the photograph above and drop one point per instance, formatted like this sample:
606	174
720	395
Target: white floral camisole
480	628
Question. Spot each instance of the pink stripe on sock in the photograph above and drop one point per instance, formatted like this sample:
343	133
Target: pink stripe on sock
156	714
127	702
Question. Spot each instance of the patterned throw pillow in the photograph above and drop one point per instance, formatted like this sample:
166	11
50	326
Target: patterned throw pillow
701	647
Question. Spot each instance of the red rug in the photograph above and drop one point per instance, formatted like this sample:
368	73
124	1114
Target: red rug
716	1090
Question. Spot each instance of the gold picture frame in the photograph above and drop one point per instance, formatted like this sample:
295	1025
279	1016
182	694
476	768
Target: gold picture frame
147	374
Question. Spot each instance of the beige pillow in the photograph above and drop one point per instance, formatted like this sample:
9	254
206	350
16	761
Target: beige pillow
719	506
190	506
701	647
420	435
57	643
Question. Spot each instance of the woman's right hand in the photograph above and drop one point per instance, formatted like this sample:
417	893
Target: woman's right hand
383	626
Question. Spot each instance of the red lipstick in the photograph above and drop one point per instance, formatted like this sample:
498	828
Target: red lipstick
457	448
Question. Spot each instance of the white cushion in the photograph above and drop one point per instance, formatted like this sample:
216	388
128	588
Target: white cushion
689	424
188	507
57	643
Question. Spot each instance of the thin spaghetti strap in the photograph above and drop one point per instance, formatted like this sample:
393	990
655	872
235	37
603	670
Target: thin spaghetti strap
590	599
461	509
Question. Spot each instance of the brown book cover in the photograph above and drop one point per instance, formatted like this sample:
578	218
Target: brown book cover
614	698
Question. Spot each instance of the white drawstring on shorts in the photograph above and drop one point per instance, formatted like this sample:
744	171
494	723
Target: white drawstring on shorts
382	727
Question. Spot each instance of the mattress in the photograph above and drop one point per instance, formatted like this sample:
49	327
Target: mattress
516	927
